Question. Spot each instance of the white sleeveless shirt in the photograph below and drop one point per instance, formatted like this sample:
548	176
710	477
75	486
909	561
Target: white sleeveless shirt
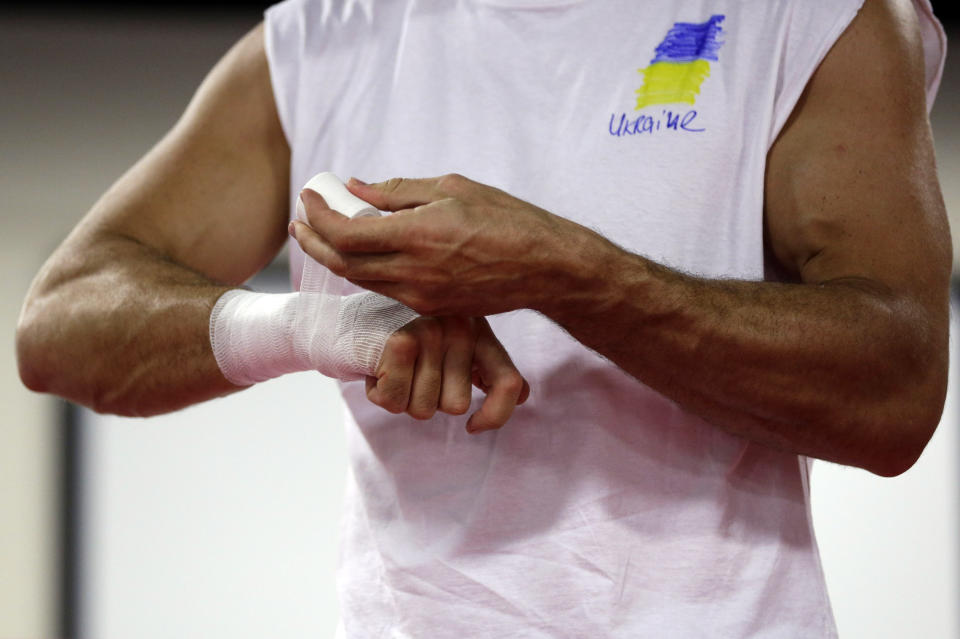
602	509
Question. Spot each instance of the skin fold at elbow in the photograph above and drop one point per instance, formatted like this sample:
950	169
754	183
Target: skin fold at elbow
907	433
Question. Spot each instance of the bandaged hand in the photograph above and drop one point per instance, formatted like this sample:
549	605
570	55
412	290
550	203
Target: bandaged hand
431	363
412	364
259	336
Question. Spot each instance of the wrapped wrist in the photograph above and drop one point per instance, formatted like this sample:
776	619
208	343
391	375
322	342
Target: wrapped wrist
259	336
251	336
366	322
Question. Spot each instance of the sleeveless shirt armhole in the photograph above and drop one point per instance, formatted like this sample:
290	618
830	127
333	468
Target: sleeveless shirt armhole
934	53
282	43
797	79
934	48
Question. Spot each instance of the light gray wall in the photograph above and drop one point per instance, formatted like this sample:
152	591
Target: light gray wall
81	98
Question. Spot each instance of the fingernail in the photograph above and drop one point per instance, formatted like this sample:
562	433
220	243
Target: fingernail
292	230
354	181
473	428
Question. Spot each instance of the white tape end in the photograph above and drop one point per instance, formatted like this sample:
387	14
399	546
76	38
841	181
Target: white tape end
337	197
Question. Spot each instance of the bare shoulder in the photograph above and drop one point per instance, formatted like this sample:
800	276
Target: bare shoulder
851	188
212	194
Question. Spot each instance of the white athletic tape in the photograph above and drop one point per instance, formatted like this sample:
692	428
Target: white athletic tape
259	336
337	197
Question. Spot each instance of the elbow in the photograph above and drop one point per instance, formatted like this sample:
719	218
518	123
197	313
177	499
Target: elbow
906	432
904	450
39	373
30	375
910	397
44	367
893	464
31	358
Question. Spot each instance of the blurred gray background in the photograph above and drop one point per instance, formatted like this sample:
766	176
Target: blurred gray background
83	94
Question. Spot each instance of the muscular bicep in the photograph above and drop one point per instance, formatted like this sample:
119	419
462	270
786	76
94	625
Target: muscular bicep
851	187
212	195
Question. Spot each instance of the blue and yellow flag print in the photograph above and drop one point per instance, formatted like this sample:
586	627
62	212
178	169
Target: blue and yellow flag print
681	64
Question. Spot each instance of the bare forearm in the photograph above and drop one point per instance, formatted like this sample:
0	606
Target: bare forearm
843	370
115	326
848	366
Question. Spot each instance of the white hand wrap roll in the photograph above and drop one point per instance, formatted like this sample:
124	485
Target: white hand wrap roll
259	336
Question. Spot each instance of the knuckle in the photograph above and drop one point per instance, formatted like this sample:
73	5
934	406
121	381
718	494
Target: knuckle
430	331
339	265
349	267
403	342
343	243
422	303
313	215
422	411
452	183
394	407
458	329
392	184
458	406
393	400
513	383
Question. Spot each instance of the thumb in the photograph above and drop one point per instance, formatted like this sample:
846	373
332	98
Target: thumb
312	210
396	194
499	378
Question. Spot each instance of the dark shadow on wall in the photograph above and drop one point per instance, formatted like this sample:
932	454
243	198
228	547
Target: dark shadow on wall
947	10
71	476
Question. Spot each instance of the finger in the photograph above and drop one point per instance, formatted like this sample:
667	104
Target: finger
383	267
482	385
364	234
397	193
394	374
357	267
524	393
459	341
425	392
312	203
314	246
315	201
503	382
